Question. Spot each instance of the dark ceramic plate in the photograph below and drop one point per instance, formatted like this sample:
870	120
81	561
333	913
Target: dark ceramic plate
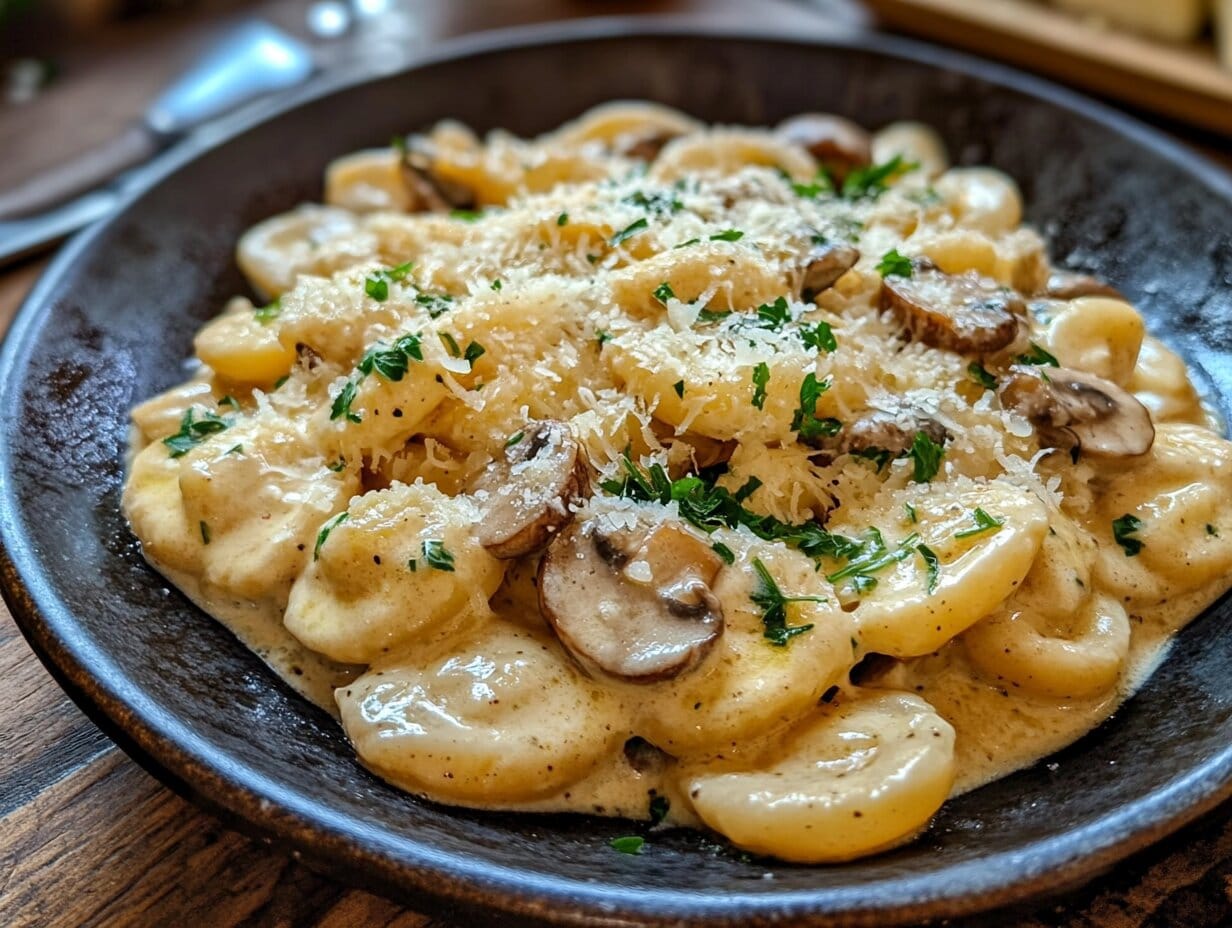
111	321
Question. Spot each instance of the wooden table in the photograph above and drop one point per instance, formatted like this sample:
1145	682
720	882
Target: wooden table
88	838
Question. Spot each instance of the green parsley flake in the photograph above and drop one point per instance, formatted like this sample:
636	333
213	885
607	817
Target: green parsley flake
451	344
659	806
269	312
376	284
194	430
927	456
496	285
933	565
514	439
466	215
911	514
872	557
562	219
820	336
727	235
726	553
437	304
412	565
628	232
205	533
1039	356
602	337
629	844
804	421
1211	530
774	315
893	264
678	386
875	179
342	403
821	183
324	533
713	315
337	466
664	292
435	554
392	361
976	371
474	351
771	600
983	523
761	377
1122	530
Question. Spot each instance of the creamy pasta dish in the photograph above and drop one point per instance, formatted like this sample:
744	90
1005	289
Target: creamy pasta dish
762	480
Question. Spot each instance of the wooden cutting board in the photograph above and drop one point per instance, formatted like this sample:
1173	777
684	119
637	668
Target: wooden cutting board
1184	82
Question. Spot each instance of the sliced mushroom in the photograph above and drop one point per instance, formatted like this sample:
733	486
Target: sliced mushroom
647	147
529	489
1076	410
964	312
838	144
824	265
633	605
1070	285
428	192
892	432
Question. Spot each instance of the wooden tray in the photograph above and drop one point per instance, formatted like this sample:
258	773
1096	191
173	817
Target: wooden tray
1184	82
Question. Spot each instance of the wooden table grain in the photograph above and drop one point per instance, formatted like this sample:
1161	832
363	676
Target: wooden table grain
88	838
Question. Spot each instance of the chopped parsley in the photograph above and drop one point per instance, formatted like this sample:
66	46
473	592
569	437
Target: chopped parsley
804	421
983	523
820	184
496	285
628	232
726	553
337	466
435	554
412	565
235	449
660	204
602	337
437	304
658	808
713	315
773	315
773	603
194	430
873	557
342	403
269	312
976	371
1122	530
562	219
932	563
678	386
451	344
391	362
911	515
893	264
820	336
323	534
664	292
727	235
376	284
926	454
1211	530
761	377
231	401
875	179
466	215
514	439
474	351
1038	355
205	533
628	844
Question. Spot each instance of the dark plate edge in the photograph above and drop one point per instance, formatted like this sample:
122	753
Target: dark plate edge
151	737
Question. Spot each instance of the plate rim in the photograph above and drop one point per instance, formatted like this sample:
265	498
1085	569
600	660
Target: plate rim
258	806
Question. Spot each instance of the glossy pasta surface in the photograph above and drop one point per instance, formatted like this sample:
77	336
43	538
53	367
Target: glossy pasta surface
762	480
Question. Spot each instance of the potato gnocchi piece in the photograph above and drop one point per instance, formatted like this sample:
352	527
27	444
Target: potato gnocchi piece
727	386
1073	659
367	181
983	199
502	717
399	566
273	253
915	143
975	572
1161	383
727	151
1182	494
242	349
621	123
1099	335
860	777
747	686
154	507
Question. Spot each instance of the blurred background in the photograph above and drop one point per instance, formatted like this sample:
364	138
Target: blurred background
89	87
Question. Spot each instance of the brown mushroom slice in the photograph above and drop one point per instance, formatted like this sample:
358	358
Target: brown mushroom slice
892	432
1076	410
966	313
529	489
647	147
836	143
641	614
1070	285
824	265
428	192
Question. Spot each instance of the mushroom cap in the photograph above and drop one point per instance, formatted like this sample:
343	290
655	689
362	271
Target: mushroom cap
1070	285
825	264
889	431
966	313
837	143
428	192
526	494
633	605
1075	409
